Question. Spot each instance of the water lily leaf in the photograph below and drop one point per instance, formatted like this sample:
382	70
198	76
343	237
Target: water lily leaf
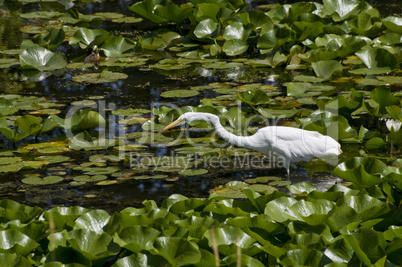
342	216
257	18
383	96
85	37
325	69
42	181
7	107
136	259
330	124
118	46
234	47
24	126
104	77
366	206
341	9
89	243
205	28
228	235
301	188
339	251
302	257
47	147
311	212
127	20
355	244
378	58
146	9
365	25
39	58
6	63
253	98
244	260
172	12
107	182
46	14
153	43
394	24
179	93
14	211
274	209
274	38
230	190
52	39
93	220
13	260
87	178
137	238
375	143
191	172
15	242
82	119
234	31
361	171
76	18
63	215
177	251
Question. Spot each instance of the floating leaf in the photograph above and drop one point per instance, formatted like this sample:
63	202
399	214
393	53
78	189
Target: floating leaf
15	242
118	46
42	181
363	172
180	93
193	172
325	69
205	28
104	77
234	47
39	58
393	23
378	58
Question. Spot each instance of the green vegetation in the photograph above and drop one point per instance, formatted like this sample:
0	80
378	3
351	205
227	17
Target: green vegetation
344	61
344	226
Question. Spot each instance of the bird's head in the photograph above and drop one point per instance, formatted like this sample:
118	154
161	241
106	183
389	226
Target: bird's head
180	121
189	117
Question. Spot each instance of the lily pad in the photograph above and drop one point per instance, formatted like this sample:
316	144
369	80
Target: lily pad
193	172
179	93
42	181
39	58
87	178
104	77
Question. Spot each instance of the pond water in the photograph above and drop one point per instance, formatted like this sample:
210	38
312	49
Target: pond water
141	89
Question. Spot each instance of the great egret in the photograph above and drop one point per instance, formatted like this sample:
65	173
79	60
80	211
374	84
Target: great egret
287	143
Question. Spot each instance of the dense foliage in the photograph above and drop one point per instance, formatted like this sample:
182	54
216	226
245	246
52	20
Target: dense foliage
348	225
341	227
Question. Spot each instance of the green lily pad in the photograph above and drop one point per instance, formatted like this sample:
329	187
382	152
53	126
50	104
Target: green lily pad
87	178
378	58
39	58
193	172
325	69
42	181
104	77
179	93
205	28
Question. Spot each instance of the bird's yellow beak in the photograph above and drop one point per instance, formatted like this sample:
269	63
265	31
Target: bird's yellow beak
173	124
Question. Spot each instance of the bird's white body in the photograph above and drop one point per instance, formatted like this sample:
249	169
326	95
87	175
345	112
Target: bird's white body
289	144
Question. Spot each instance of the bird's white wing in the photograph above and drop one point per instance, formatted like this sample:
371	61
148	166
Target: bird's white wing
298	144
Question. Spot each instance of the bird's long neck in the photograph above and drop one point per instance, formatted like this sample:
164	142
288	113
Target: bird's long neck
241	141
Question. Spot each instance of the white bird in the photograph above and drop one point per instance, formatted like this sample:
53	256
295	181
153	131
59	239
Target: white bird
287	143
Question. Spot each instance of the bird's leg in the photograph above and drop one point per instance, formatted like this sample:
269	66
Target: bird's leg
287	166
